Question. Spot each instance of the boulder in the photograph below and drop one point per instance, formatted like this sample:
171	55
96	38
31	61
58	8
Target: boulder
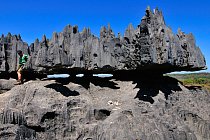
103	109
6	85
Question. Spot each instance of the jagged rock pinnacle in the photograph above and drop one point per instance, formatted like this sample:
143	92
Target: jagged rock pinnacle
151	46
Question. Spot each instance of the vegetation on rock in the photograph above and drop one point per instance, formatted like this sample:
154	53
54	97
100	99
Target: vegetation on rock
194	79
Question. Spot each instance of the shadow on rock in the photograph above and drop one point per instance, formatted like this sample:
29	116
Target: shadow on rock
150	87
62	89
104	82
150	84
192	87
86	80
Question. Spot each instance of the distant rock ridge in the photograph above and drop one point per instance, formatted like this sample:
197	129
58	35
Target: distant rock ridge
151	46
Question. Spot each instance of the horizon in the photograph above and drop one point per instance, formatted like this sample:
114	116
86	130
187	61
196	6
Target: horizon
30	18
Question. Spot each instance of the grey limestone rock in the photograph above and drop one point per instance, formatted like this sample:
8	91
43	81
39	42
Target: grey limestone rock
8	48
151	46
160	109
137	103
6	85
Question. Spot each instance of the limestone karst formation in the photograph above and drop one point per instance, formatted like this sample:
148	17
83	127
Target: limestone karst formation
152	46
137	103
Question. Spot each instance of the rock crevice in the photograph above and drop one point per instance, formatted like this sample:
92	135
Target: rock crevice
102	112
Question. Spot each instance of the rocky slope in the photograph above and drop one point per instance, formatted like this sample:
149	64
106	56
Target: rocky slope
105	109
148	47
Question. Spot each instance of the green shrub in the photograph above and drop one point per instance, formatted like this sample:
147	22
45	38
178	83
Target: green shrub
196	81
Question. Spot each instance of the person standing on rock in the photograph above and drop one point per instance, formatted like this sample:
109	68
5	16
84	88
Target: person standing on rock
22	61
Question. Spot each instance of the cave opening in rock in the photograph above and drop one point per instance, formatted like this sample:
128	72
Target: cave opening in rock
101	114
49	116
95	55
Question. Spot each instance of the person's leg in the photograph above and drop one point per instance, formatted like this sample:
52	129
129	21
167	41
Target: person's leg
19	76
19	73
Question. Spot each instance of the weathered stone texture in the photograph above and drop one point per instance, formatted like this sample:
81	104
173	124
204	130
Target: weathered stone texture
6	85
151	46
104	109
8	48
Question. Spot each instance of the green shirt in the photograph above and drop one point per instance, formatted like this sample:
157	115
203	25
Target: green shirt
23	59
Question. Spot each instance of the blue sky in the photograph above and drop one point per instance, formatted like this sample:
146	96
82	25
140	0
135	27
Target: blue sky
33	18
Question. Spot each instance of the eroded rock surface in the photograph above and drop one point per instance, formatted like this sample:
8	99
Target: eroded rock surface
151	46
6	85
103	109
